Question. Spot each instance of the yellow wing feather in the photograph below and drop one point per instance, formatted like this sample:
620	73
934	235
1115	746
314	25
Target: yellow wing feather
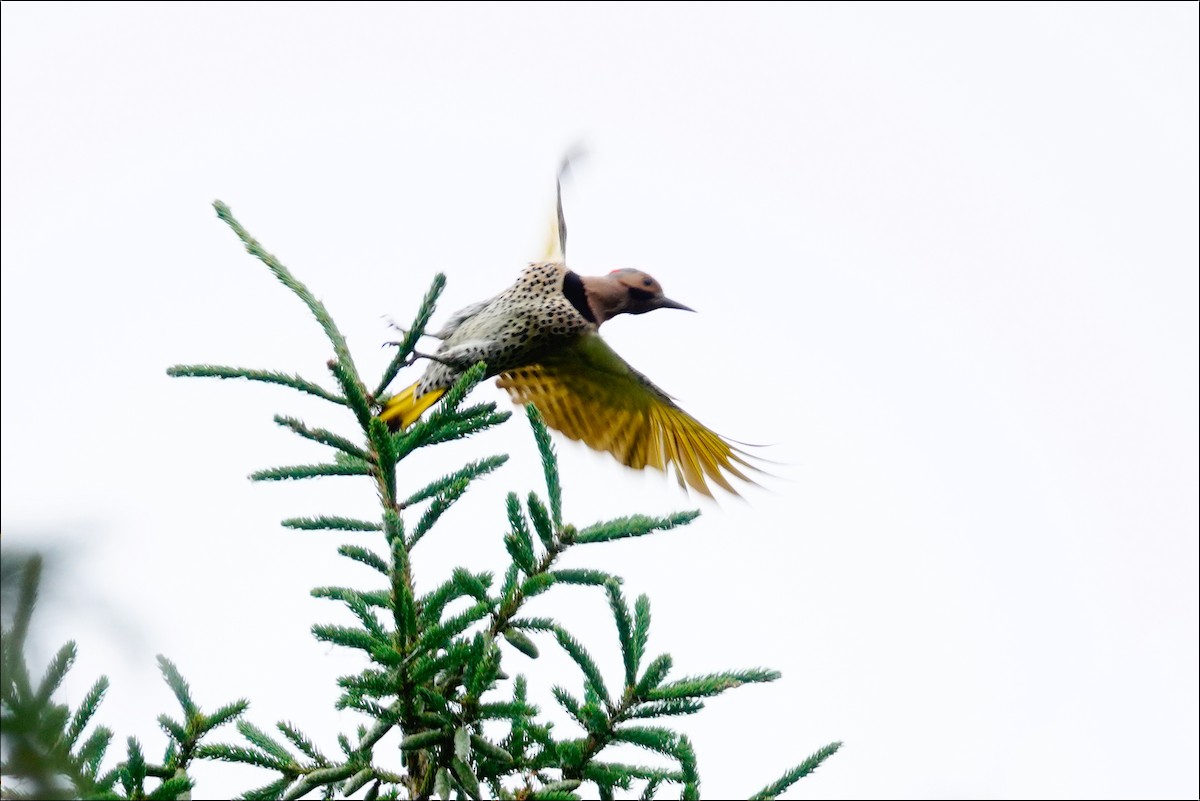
590	394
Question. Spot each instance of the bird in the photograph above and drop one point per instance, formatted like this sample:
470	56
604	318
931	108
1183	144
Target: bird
540	338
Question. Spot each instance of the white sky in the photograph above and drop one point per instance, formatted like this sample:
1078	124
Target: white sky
946	263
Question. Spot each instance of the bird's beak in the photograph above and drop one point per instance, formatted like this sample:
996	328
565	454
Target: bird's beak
667	303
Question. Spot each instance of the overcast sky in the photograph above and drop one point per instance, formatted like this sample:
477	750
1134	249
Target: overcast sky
945	259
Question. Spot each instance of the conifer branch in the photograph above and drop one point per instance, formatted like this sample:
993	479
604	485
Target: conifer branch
441	503
285	277
323	437
267	376
629	649
688	769
55	672
775	788
301	471
711	684
319	778
301	742
87	709
633	526
549	462
365	556
414	333
584	576
468	473
133	777
331	524
353	389
354	598
269	791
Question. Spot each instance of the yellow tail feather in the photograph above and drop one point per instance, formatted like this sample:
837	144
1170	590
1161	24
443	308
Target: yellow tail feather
404	409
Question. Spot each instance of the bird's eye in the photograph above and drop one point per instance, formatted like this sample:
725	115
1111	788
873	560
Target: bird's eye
647	282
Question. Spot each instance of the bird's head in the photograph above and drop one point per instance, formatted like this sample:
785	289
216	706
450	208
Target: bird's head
626	291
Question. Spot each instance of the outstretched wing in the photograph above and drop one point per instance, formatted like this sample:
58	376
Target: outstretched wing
556	242
590	393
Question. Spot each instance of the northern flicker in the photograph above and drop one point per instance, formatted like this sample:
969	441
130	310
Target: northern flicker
540	337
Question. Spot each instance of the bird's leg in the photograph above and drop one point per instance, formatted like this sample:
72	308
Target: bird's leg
413	356
446	359
462	355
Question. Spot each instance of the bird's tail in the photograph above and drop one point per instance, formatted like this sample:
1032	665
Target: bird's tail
405	408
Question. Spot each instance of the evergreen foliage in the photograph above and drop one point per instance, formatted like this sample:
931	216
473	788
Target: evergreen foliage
435	665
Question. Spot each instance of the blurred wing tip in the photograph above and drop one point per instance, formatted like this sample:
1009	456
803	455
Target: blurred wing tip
575	153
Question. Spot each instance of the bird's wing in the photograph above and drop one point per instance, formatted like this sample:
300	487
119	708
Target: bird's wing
590	393
460	317
556	242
